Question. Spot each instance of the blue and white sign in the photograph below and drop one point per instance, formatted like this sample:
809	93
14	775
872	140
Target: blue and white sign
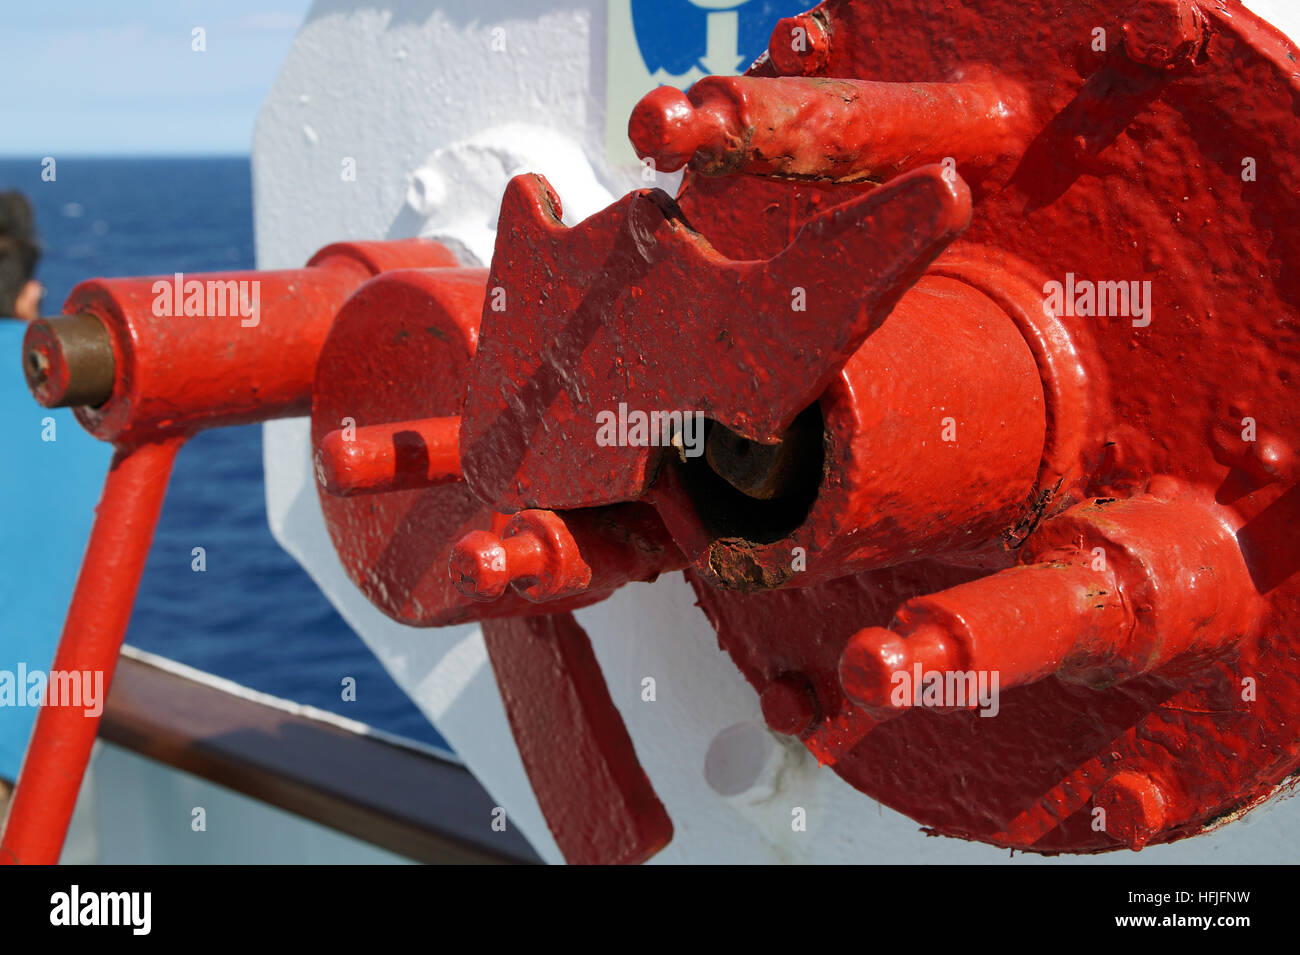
653	42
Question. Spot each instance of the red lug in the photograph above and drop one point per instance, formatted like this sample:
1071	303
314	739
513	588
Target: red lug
396	456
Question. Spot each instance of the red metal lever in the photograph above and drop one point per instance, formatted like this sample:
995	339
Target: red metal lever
136	370
56	759
593	792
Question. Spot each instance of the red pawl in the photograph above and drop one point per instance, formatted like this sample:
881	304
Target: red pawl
633	309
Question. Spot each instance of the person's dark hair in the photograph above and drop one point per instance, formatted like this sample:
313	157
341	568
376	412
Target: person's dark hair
19	251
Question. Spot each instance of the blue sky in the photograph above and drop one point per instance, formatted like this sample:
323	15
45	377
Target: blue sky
119	77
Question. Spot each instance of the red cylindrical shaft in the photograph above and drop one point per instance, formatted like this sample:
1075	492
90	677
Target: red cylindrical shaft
225	348
1021	625
933	436
92	636
1111	590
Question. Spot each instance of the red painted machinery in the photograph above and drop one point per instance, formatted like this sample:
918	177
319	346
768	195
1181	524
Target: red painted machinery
988	317
146	376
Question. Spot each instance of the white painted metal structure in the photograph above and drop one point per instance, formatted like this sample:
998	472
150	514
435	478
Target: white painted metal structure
438	103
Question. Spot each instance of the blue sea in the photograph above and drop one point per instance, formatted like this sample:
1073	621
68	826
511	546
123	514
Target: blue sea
254	617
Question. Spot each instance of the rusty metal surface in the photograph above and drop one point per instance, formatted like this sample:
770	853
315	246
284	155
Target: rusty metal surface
68	361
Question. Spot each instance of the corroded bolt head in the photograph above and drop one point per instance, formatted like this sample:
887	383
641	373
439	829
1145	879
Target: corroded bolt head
789	704
800	46
479	566
1134	806
1164	34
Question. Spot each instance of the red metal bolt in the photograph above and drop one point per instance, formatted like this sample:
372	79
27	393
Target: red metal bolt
536	553
1267	459
1135	807
666	127
1164	34
800	46
483	565
875	656
789	704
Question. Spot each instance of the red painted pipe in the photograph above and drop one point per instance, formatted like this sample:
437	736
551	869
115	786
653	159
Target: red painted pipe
92	636
188	352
